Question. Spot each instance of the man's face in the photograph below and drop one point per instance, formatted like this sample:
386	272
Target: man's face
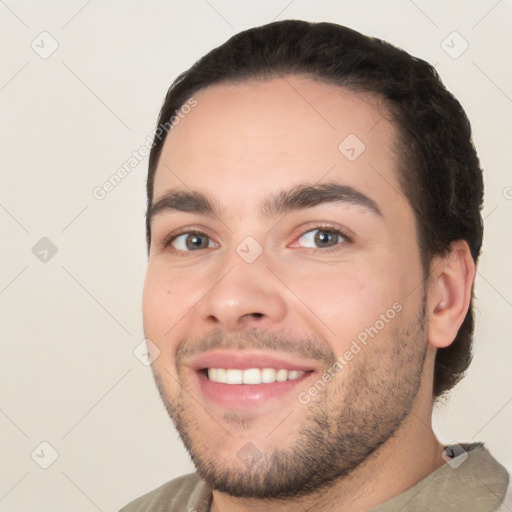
268	286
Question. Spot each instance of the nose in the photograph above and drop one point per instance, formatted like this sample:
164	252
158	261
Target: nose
245	295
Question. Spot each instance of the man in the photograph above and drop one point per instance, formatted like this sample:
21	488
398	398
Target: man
313	228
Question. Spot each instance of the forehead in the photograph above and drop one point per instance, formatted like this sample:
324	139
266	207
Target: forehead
255	137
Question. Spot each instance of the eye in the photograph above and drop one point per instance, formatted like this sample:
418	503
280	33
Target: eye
321	238
190	241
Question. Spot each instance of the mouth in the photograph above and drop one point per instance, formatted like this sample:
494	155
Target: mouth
241	380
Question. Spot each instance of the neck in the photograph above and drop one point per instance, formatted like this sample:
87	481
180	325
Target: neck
408	456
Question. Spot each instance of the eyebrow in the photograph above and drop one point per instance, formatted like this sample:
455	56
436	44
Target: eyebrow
183	201
296	198
307	196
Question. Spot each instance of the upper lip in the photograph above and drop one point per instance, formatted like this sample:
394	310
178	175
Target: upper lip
244	359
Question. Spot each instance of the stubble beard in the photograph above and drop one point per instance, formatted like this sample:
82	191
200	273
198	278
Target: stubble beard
354	415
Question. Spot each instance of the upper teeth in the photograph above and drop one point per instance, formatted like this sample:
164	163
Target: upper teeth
252	375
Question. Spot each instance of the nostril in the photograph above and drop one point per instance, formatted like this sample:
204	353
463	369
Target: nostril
257	315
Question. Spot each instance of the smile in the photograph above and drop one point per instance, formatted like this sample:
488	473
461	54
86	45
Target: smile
244	379
252	375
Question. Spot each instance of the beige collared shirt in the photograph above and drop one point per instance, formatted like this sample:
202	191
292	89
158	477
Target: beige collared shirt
478	484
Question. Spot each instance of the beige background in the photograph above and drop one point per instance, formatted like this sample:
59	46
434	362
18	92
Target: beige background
70	324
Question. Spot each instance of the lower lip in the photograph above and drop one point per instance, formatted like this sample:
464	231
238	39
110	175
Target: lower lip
244	396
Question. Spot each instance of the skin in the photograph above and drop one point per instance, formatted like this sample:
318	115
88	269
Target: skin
241	144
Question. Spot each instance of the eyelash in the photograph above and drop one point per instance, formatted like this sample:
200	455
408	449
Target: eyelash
347	239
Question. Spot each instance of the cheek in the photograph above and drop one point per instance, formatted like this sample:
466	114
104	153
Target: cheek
347	300
163	306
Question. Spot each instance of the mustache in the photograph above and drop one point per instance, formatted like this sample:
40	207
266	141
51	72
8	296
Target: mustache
309	348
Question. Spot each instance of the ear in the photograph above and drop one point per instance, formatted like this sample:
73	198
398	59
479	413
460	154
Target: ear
449	293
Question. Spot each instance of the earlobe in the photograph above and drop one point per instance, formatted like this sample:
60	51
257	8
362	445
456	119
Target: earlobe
449	293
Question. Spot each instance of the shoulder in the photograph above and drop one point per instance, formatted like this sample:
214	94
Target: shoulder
507	500
178	494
